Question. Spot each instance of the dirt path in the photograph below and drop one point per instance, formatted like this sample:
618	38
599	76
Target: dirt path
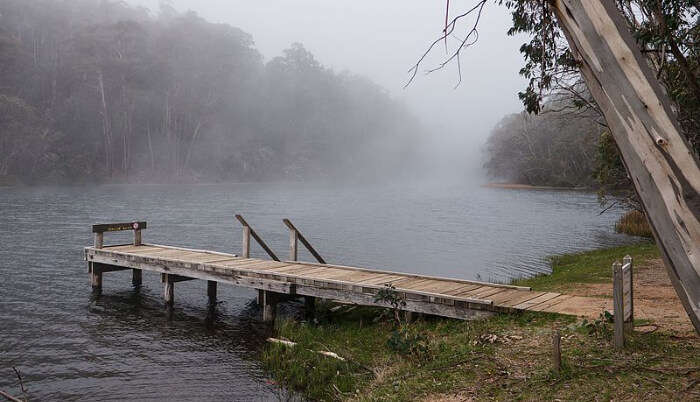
654	298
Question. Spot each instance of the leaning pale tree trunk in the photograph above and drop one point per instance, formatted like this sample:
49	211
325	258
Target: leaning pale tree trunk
660	162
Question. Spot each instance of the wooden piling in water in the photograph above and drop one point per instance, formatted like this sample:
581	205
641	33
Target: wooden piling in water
136	277
269	306
211	291
168	289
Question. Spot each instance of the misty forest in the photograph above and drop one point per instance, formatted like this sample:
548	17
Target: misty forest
562	139
103	91
349	201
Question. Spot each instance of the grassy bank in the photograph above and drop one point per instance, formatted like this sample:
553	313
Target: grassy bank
571	270
504	357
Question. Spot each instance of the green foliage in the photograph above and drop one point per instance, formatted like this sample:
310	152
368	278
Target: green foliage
458	361
407	342
600	327
390	296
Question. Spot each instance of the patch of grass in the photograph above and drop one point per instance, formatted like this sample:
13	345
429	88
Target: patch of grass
504	357
587	267
634	223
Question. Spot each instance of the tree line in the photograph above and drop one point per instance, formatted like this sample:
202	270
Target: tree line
99	90
565	141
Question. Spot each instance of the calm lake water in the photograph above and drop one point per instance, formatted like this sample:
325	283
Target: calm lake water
123	344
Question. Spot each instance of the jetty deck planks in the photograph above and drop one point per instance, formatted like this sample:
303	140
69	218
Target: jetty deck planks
454	298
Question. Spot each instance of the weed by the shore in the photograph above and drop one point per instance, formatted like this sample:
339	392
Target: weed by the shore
634	223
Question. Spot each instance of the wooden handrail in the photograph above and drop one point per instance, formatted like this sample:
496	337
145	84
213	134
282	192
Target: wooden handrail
294	235
247	233
101	228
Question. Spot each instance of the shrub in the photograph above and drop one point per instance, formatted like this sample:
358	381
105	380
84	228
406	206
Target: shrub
634	223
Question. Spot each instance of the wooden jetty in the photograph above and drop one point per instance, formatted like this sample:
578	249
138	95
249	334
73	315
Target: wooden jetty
278	280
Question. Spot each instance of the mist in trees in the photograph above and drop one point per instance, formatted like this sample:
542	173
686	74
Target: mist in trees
549	149
102	91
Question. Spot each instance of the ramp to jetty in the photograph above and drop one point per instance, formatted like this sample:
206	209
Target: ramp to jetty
277	280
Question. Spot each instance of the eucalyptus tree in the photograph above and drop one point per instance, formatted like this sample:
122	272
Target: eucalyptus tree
624	50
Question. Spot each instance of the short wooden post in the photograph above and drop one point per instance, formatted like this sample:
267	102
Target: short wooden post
269	307
136	277
137	237
99	239
629	323
293	244
211	291
246	242
556	351
95	277
168	289
618	306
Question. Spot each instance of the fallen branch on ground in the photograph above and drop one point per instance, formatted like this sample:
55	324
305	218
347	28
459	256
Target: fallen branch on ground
292	344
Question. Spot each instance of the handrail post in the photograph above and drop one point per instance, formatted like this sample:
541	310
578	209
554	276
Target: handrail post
137	234
293	244
246	242
294	235
99	239
247	233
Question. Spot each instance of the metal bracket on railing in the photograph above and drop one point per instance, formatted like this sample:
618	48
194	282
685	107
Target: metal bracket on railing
247	233
295	235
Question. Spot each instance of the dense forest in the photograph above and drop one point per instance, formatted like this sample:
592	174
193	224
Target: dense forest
97	90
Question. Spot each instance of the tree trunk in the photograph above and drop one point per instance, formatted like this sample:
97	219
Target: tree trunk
106	124
660	162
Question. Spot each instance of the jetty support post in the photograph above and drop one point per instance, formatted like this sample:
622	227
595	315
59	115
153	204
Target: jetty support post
269	305
168	289
95	277
211	292
169	285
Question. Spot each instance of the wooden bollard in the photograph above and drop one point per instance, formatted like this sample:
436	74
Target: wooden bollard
556	352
